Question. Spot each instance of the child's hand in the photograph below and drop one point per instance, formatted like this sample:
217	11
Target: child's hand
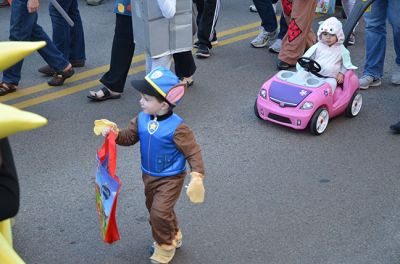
103	127
195	189
340	78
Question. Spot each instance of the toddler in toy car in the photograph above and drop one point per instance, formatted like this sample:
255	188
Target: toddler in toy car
330	53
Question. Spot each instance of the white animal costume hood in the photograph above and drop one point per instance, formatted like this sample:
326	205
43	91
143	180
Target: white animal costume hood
333	26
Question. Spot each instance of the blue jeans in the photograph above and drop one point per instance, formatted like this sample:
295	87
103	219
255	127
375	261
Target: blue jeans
375	33
69	40
24	27
267	14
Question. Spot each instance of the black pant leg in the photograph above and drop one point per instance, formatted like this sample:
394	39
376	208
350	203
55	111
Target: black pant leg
184	64
121	54
9	187
208	21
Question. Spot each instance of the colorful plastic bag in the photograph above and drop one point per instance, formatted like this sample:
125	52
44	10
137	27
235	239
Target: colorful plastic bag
325	7
107	189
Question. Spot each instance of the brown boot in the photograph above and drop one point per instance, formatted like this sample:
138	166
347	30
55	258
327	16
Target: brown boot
163	254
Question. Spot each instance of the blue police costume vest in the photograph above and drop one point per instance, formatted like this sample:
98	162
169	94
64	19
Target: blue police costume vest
159	154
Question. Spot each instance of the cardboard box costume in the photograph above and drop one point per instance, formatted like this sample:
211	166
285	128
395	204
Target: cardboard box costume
160	36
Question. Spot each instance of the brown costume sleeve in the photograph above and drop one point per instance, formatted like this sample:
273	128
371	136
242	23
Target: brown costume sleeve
186	143
128	136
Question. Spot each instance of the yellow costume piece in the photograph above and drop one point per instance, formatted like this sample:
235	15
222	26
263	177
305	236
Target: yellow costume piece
99	125
7	253
13	120
14	51
195	190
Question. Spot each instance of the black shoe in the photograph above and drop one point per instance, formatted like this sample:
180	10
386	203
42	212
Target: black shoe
196	44
203	51
281	65
47	70
77	63
396	128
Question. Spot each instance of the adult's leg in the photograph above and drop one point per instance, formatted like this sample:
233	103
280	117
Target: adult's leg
208	21
267	14
375	39
184	64
283	27
77	45
121	55
300	35
394	19
61	29
21	25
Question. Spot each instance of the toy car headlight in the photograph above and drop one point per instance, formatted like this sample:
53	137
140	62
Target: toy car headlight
307	106
263	93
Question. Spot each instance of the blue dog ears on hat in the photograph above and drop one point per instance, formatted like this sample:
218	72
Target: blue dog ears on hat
167	84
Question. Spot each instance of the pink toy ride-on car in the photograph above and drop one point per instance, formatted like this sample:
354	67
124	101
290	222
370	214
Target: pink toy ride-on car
289	100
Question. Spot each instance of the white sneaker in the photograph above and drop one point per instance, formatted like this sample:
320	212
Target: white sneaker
253	8
366	81
276	46
396	75
264	38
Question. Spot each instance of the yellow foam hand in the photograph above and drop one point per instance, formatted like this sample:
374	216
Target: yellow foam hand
102	124
195	190
13	120
14	51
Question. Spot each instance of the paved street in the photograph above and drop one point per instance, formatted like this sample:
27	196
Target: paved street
273	194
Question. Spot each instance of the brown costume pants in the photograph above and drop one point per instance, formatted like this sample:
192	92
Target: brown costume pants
299	15
162	194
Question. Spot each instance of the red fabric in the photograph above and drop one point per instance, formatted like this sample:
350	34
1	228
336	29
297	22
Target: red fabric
293	30
287	7
109	149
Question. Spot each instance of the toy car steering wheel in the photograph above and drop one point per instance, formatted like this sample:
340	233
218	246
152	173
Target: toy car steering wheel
310	65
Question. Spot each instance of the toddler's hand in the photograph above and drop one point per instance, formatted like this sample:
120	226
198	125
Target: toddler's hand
103	127
340	78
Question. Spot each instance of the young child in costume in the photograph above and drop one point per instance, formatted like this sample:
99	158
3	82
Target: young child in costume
330	53
166	143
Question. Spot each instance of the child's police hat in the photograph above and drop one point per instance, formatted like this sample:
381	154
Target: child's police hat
161	83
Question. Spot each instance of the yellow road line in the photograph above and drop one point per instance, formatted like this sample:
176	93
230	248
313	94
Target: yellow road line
89	73
68	91
90	84
77	77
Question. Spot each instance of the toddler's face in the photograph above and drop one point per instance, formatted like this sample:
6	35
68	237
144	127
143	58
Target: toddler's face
328	39
150	105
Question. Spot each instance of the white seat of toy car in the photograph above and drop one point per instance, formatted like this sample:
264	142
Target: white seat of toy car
301	78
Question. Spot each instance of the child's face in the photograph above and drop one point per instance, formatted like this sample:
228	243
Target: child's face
150	105
328	39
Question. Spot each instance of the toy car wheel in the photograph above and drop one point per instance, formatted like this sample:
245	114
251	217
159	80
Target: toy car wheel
256	110
354	106
319	121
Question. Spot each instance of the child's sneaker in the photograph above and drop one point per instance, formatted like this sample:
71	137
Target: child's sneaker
352	39
366	81
263	38
396	75
276	46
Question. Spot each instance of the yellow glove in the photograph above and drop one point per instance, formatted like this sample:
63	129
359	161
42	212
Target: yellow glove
104	125
195	189
13	120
